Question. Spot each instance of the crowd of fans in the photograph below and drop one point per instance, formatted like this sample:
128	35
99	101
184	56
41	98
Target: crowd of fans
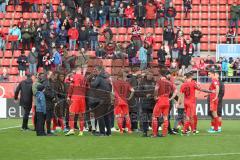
74	26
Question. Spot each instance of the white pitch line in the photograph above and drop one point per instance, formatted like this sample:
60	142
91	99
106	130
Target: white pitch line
1	129
157	157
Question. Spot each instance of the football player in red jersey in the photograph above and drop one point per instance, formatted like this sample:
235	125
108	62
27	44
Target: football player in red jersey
213	97
121	90
76	95
163	89
189	88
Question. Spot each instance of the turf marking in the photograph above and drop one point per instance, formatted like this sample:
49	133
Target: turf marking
1	129
157	157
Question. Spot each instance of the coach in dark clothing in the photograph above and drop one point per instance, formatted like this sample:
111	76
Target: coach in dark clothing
146	88
103	93
26	98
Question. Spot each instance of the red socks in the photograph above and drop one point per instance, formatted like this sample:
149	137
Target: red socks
120	123
54	123
128	123
81	124
61	123
216	123
155	126
186	126
165	128
195	119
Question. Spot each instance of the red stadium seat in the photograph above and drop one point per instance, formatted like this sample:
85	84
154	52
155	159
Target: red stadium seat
213	30
196	2
158	38
1	15
34	15
26	15
213	8
205	1
223	1
213	15
101	38
204	23
205	8
117	63
17	15
7	23
8	15
204	30
204	39
214	23
6	62
120	38
5	30
204	16
214	38
56	2
18	8
122	30
195	15
10	8
17	53
8	54
223	15
195	8
178	2
107	62
195	23
204	46
156	46
158	30
14	62
223	31
128	38
222	8
213	2
149	30
178	8
213	46
92	53
13	71
114	30
186	23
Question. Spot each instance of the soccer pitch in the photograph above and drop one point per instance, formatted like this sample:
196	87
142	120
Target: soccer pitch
19	145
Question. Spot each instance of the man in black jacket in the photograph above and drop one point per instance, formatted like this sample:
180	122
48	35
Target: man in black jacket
140	13
26	95
83	37
196	36
103	93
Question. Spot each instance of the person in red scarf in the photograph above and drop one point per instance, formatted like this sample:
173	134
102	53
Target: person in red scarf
202	70
76	95
160	13
180	41
188	48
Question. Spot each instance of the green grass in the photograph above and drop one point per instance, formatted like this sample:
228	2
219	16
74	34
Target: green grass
19	145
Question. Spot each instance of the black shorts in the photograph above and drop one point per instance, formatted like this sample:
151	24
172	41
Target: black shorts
180	115
219	109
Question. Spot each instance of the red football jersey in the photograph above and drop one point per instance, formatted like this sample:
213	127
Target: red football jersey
78	86
121	89
166	88
188	89
213	87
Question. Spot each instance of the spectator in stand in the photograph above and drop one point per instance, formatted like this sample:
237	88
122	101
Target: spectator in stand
149	41
15	3
110	49
79	15
121	15
181	42
26	36
185	59
224	66
102	12
15	31
49	11
151	11
2	41
174	65
43	49
73	37
21	23
113	13
160	15
187	7
196	36
175	52
120	52
34	4
230	69
129	14
38	37
171	14
140	13
83	37
47	62
131	52
136	36
92	13
237	70
82	61
209	60
32	59
188	48
202	71
100	52
93	38
182	71
57	59
168	35
56	24
4	77
52	36
22	64
108	34
234	13
143	58
231	35
161	54
26	6
3	6
66	23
